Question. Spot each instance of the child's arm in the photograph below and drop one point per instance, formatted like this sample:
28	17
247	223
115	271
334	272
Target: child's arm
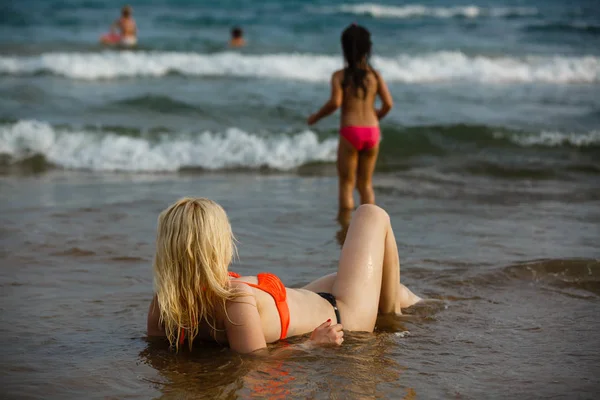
386	98
334	102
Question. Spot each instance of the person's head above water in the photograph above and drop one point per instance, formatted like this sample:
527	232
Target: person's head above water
356	45
237	33
194	247
237	37
126	11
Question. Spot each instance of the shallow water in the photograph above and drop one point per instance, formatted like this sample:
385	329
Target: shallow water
515	291
489	168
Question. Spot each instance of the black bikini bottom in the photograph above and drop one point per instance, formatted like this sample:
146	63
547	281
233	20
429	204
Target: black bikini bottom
331	299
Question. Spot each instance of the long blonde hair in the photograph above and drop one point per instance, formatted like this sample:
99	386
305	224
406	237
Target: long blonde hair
194	247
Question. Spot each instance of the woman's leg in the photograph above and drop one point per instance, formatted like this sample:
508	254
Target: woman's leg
358	283
404	299
323	284
394	295
367	160
368	278
347	161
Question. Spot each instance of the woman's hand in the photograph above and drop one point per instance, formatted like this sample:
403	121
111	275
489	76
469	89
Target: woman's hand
326	333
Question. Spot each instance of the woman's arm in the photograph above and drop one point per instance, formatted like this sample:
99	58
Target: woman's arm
334	102
325	334
386	98
154	327
242	322
245	334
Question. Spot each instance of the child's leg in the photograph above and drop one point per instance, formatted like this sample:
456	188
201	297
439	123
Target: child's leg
344	217
357	286
346	165
366	166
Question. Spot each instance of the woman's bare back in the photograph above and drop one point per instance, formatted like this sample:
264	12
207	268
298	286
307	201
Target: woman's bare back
307	311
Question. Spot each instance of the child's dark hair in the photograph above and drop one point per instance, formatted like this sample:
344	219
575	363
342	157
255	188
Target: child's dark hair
356	45
236	32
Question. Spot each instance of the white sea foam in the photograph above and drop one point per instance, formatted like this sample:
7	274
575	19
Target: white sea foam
108	65
431	67
105	151
419	11
553	139
233	148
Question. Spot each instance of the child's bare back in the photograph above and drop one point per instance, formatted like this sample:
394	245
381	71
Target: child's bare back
358	106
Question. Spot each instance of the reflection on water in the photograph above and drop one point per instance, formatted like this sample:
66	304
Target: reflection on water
195	374
362	368
344	217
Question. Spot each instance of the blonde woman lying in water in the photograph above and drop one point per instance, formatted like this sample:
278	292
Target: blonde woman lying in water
197	297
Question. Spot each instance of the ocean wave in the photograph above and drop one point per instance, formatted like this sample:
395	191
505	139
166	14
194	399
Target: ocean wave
129	149
552	139
423	68
400	143
108	151
419	11
579	27
573	276
158	103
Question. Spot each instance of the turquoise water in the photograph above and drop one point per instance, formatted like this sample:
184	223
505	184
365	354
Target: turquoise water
481	75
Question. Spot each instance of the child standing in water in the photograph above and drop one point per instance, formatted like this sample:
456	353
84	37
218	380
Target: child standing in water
126	28
355	88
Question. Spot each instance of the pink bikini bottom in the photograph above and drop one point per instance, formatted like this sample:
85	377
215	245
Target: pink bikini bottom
361	137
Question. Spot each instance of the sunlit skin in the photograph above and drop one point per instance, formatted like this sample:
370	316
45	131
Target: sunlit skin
367	283
125	26
355	168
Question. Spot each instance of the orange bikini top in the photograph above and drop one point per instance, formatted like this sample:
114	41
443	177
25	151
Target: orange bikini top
272	285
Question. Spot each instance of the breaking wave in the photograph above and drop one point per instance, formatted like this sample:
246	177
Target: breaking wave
421	11
440	66
110	151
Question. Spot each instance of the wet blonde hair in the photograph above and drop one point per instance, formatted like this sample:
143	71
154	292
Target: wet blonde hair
194	247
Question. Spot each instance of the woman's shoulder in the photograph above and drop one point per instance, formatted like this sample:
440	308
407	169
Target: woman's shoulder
243	295
239	284
239	288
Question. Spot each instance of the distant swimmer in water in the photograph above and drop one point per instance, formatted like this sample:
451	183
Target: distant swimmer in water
123	31
198	299
355	88
237	38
